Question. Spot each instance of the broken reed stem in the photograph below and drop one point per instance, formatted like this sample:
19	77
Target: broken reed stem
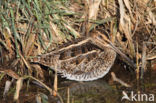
143	68
55	79
118	80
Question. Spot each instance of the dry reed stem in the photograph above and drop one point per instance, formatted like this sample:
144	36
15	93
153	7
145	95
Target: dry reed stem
68	95
55	79
7	35
143	67
7	87
125	26
151	57
19	84
10	73
27	64
118	80
92	11
137	63
29	44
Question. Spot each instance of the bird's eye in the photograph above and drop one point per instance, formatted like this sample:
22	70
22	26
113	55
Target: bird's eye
100	36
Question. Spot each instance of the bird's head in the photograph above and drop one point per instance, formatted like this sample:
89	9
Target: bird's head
103	42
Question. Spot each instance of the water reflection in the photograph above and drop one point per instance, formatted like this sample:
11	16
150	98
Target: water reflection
89	92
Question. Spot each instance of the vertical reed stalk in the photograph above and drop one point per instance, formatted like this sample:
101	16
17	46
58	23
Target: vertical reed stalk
68	95
143	60
55	80
14	32
137	65
137	62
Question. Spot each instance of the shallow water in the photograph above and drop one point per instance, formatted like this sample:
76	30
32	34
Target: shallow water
103	90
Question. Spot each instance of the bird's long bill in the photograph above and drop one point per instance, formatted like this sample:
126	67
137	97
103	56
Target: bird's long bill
103	42
123	55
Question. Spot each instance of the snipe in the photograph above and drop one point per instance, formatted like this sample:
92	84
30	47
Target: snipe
85	59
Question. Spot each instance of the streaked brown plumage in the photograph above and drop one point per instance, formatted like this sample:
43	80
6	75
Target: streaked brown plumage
85	59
